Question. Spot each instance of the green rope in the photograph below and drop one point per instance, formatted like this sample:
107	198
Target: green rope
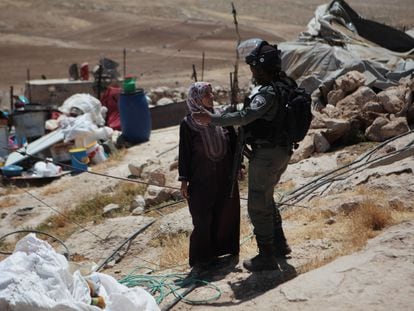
162	285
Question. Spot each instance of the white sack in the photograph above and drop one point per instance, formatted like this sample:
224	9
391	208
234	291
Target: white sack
36	278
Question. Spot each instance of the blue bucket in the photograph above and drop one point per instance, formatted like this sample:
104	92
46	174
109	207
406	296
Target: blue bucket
79	159
135	116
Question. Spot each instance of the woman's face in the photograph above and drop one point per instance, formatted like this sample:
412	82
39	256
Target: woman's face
208	98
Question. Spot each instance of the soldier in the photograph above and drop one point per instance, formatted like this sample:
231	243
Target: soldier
271	152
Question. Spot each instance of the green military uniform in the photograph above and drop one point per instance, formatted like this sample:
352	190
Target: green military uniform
270	156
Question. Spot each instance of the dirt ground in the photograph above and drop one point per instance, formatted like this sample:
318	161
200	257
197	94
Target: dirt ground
162	39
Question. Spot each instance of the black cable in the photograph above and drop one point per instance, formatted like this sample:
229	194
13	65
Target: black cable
67	254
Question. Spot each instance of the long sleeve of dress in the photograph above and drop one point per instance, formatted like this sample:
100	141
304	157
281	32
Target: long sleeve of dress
184	153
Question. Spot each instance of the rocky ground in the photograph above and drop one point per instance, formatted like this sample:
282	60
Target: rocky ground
240	290
162	42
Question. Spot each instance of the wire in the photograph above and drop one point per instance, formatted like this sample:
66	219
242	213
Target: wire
61	214
162	285
67	254
303	191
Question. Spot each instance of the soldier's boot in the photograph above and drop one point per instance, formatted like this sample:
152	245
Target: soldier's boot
265	260
282	248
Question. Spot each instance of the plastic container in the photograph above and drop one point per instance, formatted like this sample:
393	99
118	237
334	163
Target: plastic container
29	124
11	170
79	160
4	141
129	85
95	153
135	117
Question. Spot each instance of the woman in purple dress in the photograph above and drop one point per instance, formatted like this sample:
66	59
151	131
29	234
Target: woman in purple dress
205	165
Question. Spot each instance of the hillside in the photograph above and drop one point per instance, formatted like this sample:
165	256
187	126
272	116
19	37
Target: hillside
352	235
163	39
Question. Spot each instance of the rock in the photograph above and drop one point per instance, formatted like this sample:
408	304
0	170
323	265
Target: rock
332	129
110	209
391	103
138	202
156	177
135	170
350	81
25	211
335	96
373	107
177	222
351	105
164	101
156	195
138	211
174	165
305	150
321	143
382	129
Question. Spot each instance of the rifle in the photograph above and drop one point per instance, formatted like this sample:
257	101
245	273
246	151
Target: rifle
237	159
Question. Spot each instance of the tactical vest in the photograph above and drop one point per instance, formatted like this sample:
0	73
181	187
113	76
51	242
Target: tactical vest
266	131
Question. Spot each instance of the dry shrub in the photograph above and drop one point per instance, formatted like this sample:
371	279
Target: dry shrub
247	241
112	160
365	222
175	249
90	209
370	216
176	246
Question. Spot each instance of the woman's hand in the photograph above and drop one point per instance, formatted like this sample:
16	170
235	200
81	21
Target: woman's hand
184	189
242	174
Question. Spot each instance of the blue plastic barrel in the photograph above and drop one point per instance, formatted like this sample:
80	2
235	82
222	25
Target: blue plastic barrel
135	116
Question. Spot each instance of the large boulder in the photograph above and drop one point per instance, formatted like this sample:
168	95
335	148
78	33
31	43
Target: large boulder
382	128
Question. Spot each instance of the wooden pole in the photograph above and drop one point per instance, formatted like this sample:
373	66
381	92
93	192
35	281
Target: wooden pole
194	75
99	85
11	99
235	84
202	67
124	62
29	90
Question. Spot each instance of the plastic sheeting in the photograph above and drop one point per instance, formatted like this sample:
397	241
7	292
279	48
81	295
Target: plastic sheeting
332	46
36	278
85	103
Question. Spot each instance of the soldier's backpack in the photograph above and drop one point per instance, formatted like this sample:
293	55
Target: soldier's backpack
297	116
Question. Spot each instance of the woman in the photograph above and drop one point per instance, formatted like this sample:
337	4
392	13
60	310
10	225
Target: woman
205	164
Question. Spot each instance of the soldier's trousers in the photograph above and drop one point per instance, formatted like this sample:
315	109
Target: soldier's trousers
266	166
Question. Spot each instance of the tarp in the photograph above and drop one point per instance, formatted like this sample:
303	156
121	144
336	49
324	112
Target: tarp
337	40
